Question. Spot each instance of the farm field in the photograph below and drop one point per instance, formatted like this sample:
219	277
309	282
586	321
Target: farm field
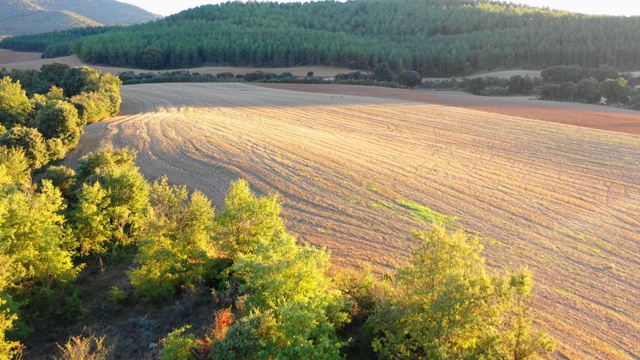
584	115
562	200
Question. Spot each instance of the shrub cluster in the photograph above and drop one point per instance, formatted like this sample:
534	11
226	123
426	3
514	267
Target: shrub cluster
43	112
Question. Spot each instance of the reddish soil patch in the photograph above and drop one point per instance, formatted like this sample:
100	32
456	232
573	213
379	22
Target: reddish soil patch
584	115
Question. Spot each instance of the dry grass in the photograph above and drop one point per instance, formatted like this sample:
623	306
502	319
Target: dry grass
562	200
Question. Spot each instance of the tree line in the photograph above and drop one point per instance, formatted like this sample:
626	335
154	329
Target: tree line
432	37
557	83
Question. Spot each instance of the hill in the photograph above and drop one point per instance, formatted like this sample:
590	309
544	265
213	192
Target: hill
433	37
38	16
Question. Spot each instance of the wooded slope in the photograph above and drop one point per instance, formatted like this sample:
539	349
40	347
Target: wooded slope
434	37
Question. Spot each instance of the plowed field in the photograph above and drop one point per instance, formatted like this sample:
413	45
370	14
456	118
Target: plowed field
562	200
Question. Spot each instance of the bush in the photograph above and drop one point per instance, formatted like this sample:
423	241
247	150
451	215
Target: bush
382	72
410	78
116	296
177	346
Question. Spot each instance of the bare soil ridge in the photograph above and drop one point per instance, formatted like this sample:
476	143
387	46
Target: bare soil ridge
561	200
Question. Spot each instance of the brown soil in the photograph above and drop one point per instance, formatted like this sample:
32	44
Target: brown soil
585	115
561	200
8	57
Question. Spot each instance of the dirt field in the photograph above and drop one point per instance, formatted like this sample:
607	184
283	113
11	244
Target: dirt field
585	115
561	200
8	56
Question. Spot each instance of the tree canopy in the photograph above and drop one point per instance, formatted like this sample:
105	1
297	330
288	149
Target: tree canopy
432	37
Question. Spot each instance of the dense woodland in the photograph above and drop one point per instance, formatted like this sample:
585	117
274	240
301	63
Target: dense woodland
433	37
63	232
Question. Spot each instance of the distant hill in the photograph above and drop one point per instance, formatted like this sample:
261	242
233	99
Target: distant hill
37	16
434	37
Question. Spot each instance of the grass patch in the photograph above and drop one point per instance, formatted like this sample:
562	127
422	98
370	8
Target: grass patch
372	188
424	213
381	205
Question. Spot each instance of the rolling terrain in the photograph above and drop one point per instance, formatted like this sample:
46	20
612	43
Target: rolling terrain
562	200
19	17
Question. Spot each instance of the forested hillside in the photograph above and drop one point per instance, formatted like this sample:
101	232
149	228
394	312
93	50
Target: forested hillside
38	16
433	37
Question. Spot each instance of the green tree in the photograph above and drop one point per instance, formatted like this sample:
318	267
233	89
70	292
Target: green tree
588	91
382	72
616	92
177	249
92	106
59	119
91	219
151	57
247	220
15	107
8	349
32	232
291	310
31	142
523	342
477	86
446	306
62	178
15	166
410	78
126	190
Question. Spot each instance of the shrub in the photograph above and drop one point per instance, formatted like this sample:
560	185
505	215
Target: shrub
177	346
116	295
410	78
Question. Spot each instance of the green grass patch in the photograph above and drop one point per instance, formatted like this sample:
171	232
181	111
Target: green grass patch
424	213
381	205
372	188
